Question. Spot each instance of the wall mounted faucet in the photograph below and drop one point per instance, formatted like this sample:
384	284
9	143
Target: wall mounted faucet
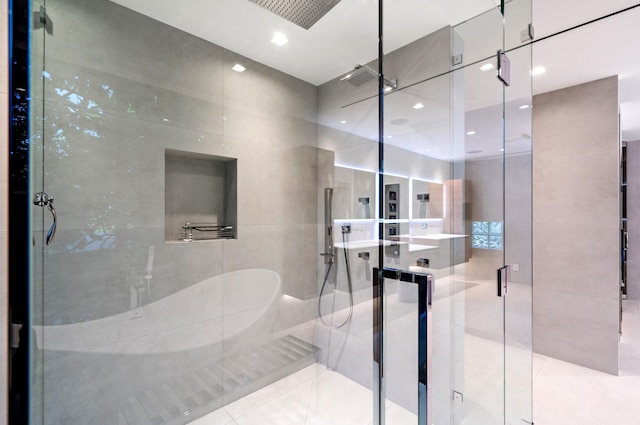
422	262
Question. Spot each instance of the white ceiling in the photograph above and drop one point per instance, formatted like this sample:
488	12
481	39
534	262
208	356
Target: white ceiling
347	36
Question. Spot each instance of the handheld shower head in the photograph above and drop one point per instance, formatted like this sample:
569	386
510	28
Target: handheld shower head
328	226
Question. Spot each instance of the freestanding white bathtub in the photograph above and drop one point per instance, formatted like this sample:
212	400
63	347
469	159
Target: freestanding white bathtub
208	312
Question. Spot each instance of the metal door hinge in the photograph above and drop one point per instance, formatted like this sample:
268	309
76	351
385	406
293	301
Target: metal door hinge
456	59
527	34
43	14
504	68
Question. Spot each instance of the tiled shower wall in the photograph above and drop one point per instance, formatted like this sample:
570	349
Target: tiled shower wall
115	99
119	96
633	227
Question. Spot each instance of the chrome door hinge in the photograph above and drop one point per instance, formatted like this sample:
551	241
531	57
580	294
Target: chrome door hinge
504	68
527	34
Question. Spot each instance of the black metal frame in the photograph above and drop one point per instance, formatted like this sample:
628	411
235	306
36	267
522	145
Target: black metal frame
19	207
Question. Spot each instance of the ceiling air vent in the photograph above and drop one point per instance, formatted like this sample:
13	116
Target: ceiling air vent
303	13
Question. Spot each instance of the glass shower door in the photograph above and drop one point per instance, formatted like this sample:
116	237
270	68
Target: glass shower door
126	305
453	180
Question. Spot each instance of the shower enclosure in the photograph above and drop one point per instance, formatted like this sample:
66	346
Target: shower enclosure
173	165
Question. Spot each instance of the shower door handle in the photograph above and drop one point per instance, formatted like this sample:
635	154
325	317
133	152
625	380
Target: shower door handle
426	288
41	199
504	276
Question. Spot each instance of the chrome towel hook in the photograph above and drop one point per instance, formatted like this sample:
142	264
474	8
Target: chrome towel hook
41	199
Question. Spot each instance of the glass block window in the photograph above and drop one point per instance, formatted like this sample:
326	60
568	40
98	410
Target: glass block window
486	234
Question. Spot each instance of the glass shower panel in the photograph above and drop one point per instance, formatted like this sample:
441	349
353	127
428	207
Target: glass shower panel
185	273
40	218
443	135
518	216
347	134
305	140
130	314
482	168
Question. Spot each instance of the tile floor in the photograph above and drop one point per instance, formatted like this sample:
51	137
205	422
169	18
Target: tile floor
563	394
566	394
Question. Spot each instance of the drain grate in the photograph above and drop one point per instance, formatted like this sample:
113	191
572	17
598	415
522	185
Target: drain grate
303	13
183	398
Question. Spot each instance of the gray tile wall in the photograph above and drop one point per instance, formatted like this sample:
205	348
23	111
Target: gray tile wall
116	98
114	106
576	224
633	224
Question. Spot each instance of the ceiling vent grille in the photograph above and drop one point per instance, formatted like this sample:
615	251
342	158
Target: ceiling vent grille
303	13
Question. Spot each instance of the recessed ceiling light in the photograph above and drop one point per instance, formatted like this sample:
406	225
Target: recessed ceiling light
502	150
388	88
238	68
525	106
486	67
343	122
471	133
280	39
418	106
538	70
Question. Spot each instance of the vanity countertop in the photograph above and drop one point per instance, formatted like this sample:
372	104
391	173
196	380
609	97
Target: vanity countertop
417	243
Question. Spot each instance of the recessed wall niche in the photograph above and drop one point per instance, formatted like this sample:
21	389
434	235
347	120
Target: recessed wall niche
200	193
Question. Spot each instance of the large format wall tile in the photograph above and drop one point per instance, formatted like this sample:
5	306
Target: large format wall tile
576	224
581	333
633	223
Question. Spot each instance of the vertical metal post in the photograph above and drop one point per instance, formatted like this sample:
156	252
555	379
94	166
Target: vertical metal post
425	290
378	284
378	348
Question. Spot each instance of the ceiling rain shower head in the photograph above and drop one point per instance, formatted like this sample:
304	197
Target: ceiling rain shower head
303	13
362	74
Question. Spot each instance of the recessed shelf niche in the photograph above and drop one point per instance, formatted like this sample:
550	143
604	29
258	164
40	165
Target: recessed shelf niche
200	197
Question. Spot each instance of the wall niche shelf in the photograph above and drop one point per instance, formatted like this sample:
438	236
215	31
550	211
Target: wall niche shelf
200	197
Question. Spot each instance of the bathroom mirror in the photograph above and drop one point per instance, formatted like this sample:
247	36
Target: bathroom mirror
354	195
427	199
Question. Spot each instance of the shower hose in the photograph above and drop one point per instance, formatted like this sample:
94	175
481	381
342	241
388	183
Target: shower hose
324	283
